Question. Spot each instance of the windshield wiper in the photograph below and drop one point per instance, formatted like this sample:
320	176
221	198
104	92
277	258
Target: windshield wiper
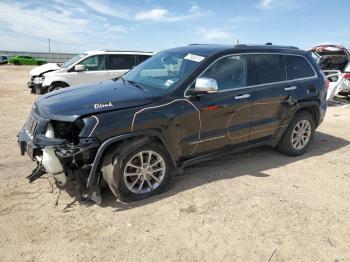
134	84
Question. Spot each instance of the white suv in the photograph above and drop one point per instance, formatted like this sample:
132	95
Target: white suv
88	67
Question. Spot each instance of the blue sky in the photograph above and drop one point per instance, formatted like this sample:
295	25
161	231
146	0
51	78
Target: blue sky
79	25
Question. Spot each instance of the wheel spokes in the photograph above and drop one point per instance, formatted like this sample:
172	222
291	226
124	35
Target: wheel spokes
144	172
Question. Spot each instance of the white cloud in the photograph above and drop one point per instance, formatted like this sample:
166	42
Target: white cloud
160	14
238	19
115	11
266	4
214	34
64	26
280	4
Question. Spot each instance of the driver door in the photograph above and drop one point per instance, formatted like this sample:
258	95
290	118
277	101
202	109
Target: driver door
224	116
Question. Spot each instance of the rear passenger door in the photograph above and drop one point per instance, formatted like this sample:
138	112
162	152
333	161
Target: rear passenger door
267	74
302	74
118	65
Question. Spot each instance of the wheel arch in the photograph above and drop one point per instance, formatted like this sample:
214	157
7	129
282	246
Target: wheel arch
114	142
313	109
54	83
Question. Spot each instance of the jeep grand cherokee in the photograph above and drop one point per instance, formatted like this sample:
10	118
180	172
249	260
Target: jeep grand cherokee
180	107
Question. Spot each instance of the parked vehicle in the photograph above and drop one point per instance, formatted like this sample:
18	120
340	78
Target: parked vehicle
37	76
3	60
180	107
88	67
26	60
335	63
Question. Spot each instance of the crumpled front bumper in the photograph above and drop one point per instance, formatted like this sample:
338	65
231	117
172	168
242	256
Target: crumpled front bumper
34	86
78	156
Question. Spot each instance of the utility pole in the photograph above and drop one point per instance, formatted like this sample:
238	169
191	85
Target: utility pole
237	41
49	45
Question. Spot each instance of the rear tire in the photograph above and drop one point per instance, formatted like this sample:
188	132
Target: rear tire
39	63
133	172
299	134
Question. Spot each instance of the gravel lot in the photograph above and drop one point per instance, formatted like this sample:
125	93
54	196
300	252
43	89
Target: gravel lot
253	206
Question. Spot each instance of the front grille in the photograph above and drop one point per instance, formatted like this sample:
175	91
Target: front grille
31	125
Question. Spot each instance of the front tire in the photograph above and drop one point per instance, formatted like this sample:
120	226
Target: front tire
299	134
16	62
137	171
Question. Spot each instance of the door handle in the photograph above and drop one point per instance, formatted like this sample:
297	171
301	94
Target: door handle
290	88
242	96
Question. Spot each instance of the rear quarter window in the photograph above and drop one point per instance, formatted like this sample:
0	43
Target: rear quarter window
266	68
298	67
141	58
121	62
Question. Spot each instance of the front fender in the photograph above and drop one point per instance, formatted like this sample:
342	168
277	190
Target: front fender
113	140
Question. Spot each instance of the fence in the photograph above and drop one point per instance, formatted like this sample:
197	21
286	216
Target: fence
50	57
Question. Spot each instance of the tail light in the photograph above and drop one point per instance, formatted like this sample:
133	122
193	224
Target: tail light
346	76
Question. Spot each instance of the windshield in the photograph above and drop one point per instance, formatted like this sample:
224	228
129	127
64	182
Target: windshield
164	70
73	60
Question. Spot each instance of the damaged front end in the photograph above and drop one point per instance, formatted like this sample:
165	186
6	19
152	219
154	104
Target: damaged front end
62	149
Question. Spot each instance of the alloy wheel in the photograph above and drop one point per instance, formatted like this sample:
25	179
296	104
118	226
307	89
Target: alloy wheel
301	134
144	172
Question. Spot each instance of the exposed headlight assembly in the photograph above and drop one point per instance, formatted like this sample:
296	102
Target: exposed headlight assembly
38	79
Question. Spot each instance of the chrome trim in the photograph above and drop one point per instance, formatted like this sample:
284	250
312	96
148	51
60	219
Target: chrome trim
252	86
291	88
242	96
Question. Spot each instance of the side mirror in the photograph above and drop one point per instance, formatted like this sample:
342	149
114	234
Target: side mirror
79	68
204	85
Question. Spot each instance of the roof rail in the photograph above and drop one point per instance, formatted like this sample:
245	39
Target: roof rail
267	45
136	51
199	44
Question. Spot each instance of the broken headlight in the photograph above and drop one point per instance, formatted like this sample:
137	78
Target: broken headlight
65	130
38	80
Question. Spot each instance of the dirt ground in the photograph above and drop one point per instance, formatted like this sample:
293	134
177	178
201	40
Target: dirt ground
253	206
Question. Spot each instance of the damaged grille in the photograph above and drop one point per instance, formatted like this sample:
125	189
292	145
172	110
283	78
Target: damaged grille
31	125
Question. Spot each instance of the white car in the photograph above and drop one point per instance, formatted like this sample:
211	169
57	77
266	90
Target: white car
334	60
88	67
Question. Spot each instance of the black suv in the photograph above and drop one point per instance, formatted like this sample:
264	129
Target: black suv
179	107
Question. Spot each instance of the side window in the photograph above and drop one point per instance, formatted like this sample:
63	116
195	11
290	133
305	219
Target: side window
229	72
94	63
120	62
265	69
141	58
298	67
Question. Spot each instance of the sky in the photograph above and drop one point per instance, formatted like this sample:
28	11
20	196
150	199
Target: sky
152	25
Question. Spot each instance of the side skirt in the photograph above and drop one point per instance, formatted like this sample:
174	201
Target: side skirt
214	155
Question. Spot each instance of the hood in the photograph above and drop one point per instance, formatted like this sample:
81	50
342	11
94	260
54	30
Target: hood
43	68
70	103
332	57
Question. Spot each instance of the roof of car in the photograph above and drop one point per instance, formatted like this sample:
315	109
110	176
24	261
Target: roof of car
125	52
211	49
